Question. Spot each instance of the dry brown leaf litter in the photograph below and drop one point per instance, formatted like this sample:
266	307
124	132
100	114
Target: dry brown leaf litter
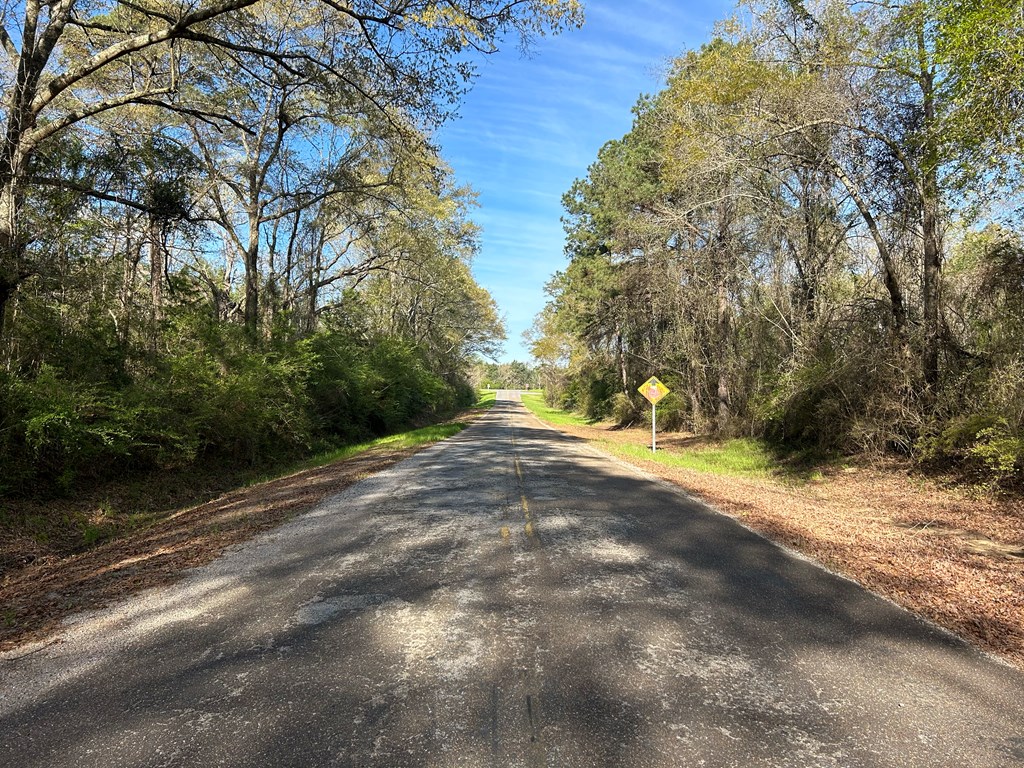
38	595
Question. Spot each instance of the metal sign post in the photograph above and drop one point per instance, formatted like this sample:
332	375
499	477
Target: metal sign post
654	427
654	390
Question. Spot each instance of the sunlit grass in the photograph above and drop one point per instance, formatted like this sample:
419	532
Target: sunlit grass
741	457
400	441
734	458
486	398
535	403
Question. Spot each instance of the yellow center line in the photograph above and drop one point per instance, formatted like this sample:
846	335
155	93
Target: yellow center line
528	528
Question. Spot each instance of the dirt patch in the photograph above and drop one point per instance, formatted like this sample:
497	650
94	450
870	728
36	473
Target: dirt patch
954	557
40	585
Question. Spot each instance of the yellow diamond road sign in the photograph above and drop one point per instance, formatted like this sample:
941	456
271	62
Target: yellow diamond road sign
653	390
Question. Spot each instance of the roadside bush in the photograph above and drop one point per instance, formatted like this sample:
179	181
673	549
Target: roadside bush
218	397
852	392
228	397
71	430
1001	451
340	394
980	425
982	442
589	391
624	409
673	416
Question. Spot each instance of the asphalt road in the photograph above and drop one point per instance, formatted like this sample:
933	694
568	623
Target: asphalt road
508	598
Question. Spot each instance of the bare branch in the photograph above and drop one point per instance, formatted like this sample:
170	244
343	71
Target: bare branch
8	46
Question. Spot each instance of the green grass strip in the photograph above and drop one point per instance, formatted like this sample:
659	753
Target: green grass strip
535	403
400	441
733	458
741	457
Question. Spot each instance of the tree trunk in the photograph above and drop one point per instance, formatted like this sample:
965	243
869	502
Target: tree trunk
12	268
7	288
156	273
621	355
289	279
723	316
722	351
931	288
697	421
932	254
892	286
806	268
313	291
252	279
132	257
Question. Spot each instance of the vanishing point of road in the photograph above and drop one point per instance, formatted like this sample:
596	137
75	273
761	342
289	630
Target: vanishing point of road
510	597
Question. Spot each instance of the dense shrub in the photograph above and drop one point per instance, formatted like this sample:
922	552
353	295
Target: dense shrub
219	397
673	415
624	409
986	434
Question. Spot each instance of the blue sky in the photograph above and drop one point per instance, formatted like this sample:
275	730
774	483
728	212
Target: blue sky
532	125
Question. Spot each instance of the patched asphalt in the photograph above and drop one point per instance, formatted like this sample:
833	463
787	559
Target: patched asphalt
510	597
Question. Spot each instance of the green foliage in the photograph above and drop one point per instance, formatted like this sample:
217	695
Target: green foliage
513	375
73	427
980	44
182	281
842	396
815	225
673	415
986	442
1000	450
589	392
624	409
220	397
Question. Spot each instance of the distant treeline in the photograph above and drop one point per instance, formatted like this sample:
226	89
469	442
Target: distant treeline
513	375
